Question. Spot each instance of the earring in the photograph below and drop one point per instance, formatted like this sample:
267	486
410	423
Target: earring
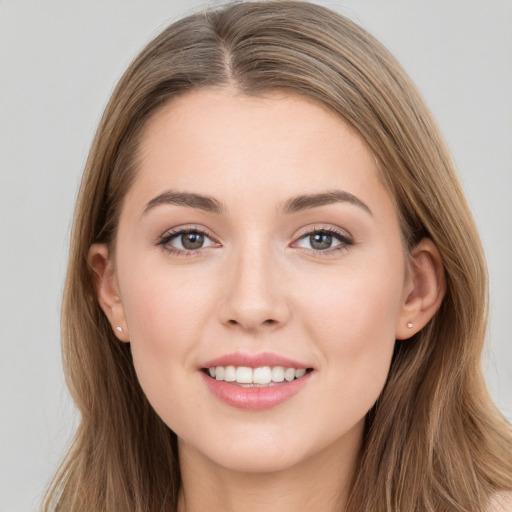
409	325
119	328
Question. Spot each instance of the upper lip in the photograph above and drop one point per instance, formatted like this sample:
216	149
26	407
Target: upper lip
254	360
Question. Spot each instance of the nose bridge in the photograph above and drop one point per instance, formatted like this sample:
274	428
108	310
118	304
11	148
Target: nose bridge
253	297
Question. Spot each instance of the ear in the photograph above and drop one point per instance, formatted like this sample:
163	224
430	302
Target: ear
424	289
107	289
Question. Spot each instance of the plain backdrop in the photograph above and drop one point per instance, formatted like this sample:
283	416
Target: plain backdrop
59	60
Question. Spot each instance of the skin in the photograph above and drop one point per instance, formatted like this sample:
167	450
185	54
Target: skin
258	285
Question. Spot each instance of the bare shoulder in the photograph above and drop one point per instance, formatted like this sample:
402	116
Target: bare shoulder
502	502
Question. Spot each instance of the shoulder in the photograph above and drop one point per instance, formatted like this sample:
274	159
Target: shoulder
502	502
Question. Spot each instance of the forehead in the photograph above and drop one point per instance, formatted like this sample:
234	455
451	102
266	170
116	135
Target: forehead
229	145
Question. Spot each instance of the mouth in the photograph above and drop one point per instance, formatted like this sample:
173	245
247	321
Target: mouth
259	377
255	382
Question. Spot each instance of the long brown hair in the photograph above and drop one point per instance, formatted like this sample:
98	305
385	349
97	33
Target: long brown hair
433	441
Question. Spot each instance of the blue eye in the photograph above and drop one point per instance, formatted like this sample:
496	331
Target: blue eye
324	240
186	240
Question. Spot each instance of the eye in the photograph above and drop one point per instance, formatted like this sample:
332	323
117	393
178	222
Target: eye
186	241
324	240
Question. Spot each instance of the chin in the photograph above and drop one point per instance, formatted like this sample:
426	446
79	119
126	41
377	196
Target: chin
270	448
245	449
257	461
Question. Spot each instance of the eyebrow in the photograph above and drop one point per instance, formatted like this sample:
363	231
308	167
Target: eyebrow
189	199
293	205
306	202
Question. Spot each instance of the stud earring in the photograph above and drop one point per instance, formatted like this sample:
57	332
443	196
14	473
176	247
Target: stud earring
409	325
119	328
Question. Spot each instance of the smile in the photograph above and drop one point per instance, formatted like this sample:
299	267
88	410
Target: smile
255	382
256	377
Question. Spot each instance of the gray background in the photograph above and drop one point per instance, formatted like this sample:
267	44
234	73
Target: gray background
59	60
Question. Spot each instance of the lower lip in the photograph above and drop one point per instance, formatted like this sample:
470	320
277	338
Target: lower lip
254	399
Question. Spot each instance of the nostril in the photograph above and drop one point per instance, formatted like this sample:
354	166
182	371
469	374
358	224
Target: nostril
269	321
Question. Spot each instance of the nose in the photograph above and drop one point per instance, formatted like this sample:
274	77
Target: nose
253	295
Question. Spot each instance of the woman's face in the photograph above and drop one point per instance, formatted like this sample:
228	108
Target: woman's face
258	239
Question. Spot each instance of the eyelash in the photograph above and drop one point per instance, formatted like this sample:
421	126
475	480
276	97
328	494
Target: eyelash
343	238
165	240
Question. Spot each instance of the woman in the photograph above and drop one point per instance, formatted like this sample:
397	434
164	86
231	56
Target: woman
276	295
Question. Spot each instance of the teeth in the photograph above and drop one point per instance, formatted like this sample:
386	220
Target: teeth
300	373
289	374
277	374
244	375
262	375
230	375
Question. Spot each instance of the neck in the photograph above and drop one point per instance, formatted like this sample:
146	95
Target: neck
319	482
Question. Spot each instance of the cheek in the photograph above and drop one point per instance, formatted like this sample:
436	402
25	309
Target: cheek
166	313
359	304
354	329
162	303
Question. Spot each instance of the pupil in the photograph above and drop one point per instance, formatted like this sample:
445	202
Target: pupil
192	241
320	241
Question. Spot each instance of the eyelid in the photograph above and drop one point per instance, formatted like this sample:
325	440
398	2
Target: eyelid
164	239
327	228
344	237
